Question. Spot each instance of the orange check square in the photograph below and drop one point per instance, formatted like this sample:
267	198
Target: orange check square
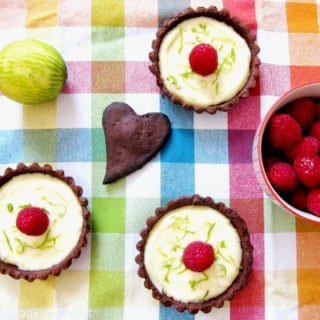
309	288
304	74
108	76
302	17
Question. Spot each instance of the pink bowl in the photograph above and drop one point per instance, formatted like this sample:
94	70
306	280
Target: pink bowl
307	90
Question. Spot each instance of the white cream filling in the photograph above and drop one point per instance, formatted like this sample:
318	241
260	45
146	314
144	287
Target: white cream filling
65	221
164	250
234	58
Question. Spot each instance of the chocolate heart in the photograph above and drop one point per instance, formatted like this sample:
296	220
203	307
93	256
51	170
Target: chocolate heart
131	140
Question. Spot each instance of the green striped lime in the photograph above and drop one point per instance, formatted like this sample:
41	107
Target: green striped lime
31	71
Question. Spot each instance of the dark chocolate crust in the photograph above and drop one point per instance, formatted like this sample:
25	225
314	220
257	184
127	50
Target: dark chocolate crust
131	139
246	263
56	269
220	15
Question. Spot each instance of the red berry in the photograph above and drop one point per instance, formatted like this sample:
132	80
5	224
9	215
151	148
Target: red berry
317	108
203	59
270	160
313	202
32	221
298	199
315	130
308	146
284	131
303	111
198	256
307	169
282	176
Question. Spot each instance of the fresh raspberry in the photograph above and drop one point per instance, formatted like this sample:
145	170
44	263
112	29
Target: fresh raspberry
298	199
315	130
271	159
308	146
313	202
32	221
317	108
282	176
203	59
284	131
303	111
198	256
307	169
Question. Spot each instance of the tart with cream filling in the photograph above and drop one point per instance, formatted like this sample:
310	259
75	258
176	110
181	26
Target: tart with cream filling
208	80
43	221
194	254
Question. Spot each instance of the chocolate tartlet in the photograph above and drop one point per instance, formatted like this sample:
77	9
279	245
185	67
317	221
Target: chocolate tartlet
44	221
233	45
195	254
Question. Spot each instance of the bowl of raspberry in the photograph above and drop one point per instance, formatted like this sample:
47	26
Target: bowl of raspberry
286	152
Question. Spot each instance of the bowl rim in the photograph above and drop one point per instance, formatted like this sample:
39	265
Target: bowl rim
278	104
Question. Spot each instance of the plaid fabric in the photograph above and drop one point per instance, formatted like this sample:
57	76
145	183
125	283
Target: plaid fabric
106	45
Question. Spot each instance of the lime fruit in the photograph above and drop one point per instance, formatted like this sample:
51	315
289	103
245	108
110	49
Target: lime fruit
31	71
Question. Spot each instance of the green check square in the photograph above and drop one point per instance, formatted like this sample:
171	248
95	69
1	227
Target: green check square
98	145
99	102
108	215
106	289
104	248
105	313
39	145
277	219
115	190
107	43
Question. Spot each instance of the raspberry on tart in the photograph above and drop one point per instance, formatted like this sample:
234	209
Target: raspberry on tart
203	59
32	221
198	256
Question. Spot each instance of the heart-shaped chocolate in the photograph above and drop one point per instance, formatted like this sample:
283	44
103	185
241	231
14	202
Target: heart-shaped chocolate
131	139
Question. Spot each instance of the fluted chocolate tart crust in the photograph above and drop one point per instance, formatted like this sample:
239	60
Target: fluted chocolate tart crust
192	205
218	15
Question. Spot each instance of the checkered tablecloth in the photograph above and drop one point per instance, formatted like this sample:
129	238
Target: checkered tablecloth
105	44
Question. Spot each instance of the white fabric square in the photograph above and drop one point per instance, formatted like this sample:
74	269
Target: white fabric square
280	251
72	313
139	303
144	183
205	121
143	102
212	180
266	102
280	313
81	173
48	35
138	43
276	48
75	43
11	114
131	252
219	313
74	111
10	35
206	3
